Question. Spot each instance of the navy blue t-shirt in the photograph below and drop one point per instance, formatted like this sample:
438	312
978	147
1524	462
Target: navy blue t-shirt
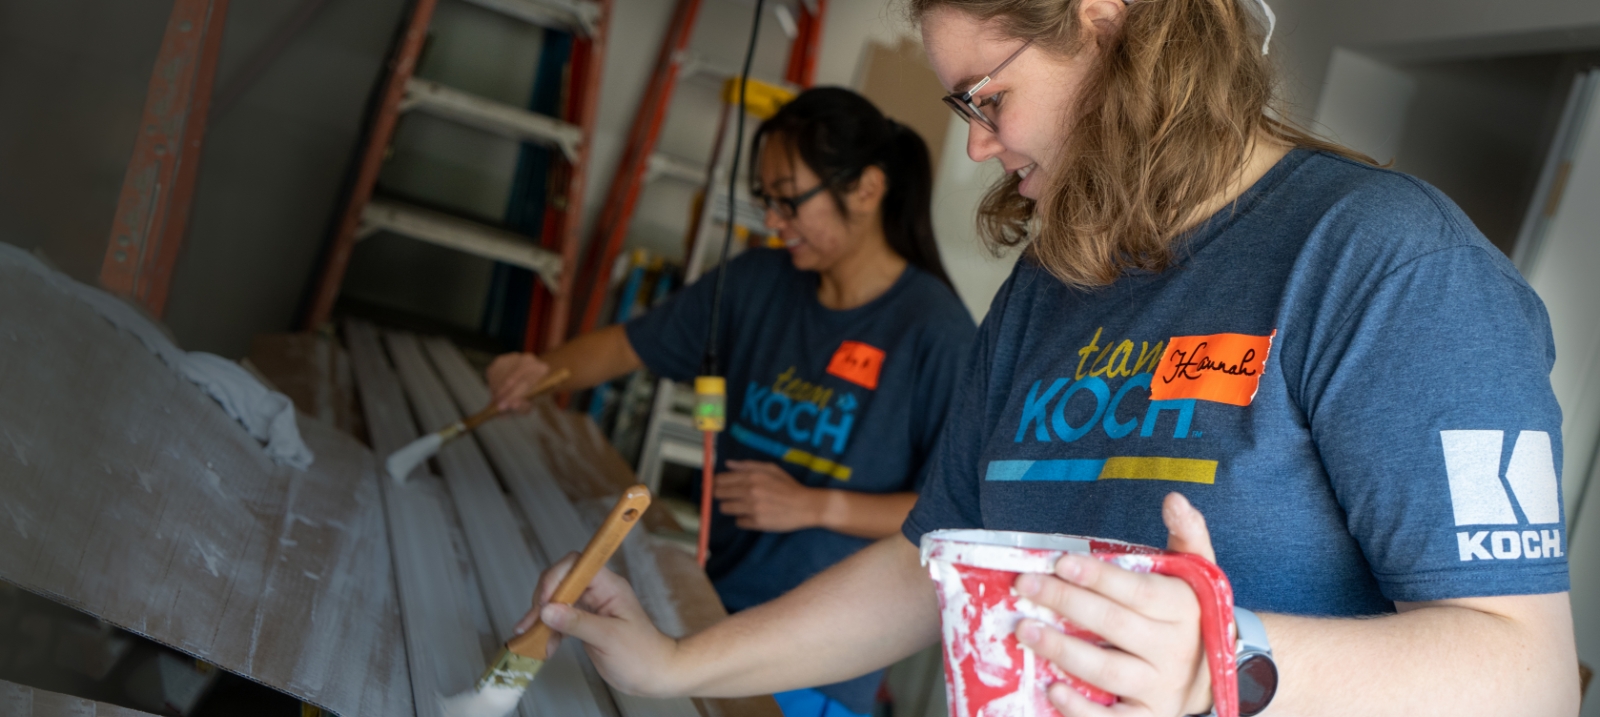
1340	372
850	400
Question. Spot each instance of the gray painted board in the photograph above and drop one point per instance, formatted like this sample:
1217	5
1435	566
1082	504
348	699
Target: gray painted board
128	494
23	701
443	645
560	529
506	566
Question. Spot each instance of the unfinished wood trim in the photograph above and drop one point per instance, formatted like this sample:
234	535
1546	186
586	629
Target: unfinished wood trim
671	587
314	372
507	569
23	701
443	646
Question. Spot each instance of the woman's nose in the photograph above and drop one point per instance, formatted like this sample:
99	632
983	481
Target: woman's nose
982	145
773	219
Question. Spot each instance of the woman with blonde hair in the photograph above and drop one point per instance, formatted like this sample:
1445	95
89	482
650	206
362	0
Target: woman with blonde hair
1215	314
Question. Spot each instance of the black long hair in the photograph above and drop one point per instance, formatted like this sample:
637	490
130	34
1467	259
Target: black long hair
838	134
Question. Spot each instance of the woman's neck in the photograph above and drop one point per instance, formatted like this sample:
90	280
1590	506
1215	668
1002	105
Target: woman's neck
860	277
1263	154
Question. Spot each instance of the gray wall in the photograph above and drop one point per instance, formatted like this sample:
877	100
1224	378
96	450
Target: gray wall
74	74
1421	30
274	169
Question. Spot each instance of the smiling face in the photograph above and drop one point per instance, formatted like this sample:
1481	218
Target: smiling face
1030	100
819	237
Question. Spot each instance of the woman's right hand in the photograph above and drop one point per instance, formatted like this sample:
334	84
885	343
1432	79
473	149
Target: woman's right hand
627	649
510	378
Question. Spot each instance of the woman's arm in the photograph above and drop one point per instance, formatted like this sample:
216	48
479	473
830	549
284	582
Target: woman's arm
1468	656
763	496
593	359
868	611
865	515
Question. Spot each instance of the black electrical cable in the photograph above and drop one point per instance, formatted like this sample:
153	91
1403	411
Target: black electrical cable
708	364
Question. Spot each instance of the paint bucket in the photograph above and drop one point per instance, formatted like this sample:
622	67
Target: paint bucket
989	674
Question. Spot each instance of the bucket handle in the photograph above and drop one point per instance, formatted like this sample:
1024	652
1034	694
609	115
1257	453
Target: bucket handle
1215	594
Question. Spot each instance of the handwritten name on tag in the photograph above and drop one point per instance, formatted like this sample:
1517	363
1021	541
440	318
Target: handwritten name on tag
1225	368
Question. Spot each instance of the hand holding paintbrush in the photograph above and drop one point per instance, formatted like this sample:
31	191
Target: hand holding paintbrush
405	460
500	689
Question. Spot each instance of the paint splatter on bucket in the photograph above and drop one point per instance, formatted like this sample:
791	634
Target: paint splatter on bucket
989	674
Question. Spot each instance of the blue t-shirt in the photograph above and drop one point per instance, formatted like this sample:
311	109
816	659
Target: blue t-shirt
850	400
1340	372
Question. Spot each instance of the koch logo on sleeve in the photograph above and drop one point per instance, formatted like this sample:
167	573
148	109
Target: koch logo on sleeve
1479	498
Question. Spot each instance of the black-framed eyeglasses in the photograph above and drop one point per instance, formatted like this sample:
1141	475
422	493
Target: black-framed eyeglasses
789	207
971	111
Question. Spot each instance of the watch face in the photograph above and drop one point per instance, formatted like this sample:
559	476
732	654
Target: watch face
1258	682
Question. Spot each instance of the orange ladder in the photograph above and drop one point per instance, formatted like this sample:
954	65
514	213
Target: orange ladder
556	252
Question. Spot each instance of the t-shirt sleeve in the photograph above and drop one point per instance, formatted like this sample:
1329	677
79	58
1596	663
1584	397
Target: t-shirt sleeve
940	371
1430	404
949	496
671	338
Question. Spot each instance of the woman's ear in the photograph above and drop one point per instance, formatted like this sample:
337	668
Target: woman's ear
1104	17
866	197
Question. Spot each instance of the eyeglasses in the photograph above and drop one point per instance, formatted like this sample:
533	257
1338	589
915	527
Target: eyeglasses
789	207
971	111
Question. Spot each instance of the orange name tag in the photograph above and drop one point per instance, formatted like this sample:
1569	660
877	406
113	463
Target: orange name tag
1225	368
857	363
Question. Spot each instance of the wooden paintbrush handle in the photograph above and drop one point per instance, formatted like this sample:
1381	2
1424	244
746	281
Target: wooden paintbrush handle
550	381
623	516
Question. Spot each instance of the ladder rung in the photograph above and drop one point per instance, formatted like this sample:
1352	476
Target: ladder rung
462	235
749	214
575	16
488	115
683	453
667	166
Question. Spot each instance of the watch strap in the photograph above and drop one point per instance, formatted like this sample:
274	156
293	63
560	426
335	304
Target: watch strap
1252	639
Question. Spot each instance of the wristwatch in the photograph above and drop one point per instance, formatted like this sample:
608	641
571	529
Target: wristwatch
1258	674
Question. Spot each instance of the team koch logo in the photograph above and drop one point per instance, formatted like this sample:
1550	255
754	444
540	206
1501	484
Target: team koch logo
1480	499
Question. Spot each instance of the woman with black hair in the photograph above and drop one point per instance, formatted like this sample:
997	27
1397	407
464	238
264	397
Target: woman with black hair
842	352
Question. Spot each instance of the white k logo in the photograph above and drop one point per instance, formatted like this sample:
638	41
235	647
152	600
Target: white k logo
1472	462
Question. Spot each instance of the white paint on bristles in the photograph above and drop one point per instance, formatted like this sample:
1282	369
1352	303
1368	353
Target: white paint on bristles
405	460
487	700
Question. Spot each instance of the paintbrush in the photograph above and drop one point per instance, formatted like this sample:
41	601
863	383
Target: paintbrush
500	688
405	460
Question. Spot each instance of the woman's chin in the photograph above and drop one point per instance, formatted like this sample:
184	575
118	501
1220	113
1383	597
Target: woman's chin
1028	187
803	258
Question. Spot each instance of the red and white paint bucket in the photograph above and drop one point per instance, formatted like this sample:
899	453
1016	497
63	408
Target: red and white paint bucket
989	674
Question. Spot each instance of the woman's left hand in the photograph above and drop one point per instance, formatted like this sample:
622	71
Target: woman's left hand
1157	666
762	496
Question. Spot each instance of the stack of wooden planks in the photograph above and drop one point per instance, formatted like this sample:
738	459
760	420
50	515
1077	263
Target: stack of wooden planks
128	494
518	494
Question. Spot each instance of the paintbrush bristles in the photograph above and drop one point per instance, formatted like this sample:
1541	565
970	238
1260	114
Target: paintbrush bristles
498	691
405	460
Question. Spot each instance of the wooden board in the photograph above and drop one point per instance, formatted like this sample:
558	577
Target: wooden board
130	495
507	568
539	455
445	647
23	701
314	372
556	526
